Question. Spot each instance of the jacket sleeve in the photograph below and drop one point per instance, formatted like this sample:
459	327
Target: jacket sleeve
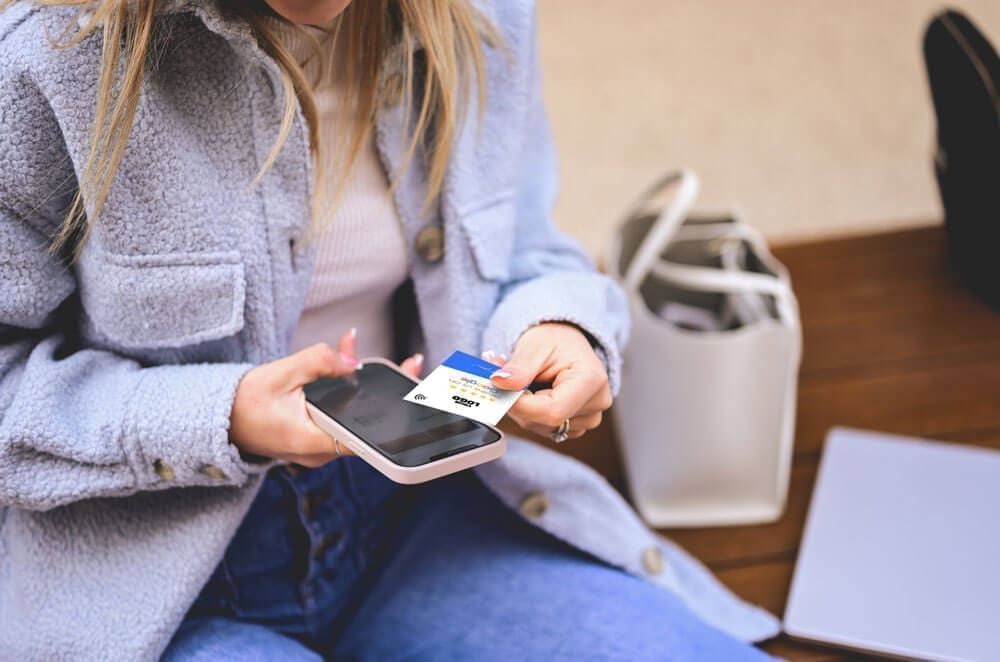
552	276
76	422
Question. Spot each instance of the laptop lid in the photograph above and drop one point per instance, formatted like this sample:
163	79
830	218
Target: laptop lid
901	552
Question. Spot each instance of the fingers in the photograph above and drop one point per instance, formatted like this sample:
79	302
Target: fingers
493	357
269	416
413	365
528	359
313	362
315	460
544	411
343	448
320	360
601	401
580	394
311	446
578	426
540	409
349	343
570	395
582	424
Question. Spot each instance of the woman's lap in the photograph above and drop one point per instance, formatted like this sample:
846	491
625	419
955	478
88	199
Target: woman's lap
467	578
214	639
470	579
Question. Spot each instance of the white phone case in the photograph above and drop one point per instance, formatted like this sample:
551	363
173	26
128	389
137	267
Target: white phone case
397	472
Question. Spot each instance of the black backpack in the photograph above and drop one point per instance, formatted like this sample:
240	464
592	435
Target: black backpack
964	74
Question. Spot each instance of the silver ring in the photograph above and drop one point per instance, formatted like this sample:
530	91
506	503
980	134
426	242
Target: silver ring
561	433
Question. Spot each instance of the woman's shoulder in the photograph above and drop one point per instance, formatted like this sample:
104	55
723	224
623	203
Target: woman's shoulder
31	36
18	23
514	19
14	15
36	85
515	23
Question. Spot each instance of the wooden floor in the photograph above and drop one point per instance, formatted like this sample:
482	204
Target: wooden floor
892	342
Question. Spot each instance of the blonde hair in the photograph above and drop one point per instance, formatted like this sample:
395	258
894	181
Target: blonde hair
451	33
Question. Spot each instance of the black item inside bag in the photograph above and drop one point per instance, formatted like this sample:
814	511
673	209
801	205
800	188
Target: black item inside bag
964	74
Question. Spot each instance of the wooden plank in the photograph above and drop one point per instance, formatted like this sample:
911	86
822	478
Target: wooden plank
763	584
894	247
844	278
869	300
891	339
788	649
935	402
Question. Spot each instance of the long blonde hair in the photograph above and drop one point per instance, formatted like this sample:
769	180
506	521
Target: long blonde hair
451	33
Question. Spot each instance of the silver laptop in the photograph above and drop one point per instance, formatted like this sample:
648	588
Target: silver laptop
901	552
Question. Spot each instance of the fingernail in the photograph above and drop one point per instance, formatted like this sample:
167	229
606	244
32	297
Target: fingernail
418	357
353	332
488	354
350	360
502	374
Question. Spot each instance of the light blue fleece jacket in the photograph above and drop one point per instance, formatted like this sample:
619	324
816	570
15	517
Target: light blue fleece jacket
117	373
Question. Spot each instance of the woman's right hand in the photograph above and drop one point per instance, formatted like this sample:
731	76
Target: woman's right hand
269	416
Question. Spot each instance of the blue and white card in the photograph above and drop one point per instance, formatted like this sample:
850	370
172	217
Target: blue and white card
461	385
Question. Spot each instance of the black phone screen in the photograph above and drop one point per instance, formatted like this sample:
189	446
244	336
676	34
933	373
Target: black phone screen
369	402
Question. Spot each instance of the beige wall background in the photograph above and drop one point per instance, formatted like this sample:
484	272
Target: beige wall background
812	116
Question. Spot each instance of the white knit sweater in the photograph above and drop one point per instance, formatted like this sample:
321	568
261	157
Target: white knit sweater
360	251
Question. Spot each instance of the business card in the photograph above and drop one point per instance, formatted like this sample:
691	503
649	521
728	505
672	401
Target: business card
461	385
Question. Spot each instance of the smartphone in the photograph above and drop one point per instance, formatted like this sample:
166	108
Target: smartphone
407	442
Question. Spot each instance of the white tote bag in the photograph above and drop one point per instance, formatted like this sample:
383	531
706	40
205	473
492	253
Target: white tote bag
706	410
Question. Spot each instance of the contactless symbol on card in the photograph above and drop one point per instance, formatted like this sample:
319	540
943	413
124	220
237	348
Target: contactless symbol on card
461	385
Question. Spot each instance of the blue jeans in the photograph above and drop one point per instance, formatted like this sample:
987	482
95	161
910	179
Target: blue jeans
339	562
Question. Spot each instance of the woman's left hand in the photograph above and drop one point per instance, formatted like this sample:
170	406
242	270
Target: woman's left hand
561	354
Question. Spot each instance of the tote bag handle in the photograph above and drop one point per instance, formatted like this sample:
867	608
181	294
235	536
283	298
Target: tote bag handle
666	225
669	226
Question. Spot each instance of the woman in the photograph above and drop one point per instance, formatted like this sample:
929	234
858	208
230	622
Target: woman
193	191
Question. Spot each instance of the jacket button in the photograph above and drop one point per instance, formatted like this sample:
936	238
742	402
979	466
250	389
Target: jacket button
534	505
653	561
214	472
164	470
430	243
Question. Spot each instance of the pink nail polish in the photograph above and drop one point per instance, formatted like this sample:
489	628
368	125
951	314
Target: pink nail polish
350	360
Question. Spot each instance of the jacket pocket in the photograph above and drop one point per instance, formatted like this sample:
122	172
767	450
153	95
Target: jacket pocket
489	232
165	300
